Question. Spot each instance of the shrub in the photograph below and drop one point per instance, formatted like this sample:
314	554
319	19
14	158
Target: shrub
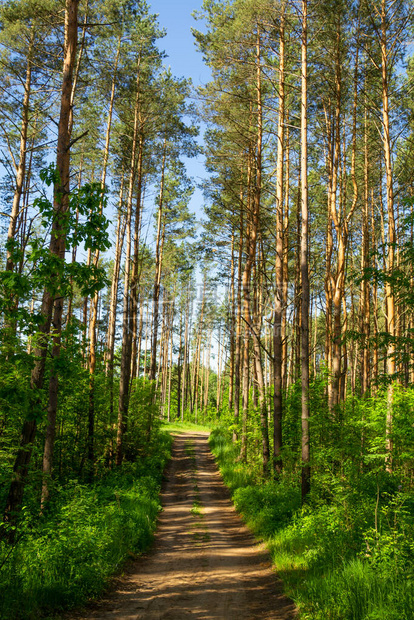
84	538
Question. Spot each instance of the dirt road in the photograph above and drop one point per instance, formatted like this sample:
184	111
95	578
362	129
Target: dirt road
204	564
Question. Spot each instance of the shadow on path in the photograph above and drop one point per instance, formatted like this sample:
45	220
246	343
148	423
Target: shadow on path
204	563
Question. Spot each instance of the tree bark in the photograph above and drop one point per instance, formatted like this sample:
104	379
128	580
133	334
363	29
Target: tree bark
389	293
57	248
279	272
365	319
158	267
113	304
21	167
238	343
133	319
232	329
125	373
94	302
304	269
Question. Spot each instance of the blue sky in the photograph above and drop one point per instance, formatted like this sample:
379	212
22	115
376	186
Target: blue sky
175	16
185	61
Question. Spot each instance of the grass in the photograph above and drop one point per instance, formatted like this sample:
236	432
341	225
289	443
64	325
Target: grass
333	564
69	555
182	427
235	474
190	451
196	509
201	537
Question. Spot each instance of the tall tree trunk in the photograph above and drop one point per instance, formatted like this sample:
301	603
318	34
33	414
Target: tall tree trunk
365	302
126	334
133	318
21	166
158	268
255	230
57	248
389	293
170	363
296	361
179	366
279	283
232	329
75	248
328	305
219	357
246	286
113	304
147	337
75	75
139	339
207	365
375	356
285	260
20	174
186	364
304	269
237	357
245	391
337	280
94	302
198	349
252	235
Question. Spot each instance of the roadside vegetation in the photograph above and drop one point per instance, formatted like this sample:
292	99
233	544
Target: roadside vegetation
177	426
348	551
67	555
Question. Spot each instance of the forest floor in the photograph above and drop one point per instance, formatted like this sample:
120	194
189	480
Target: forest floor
204	562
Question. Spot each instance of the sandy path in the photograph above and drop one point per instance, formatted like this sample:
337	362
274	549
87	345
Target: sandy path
204	564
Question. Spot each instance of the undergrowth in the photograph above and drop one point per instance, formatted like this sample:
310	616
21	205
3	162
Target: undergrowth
184	426
346	557
67	556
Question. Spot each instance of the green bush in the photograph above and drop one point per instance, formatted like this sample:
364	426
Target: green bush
83	539
348	554
267	507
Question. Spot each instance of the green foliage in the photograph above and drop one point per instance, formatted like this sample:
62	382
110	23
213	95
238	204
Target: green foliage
177	426
269	506
349	552
143	420
235	473
86	535
83	223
